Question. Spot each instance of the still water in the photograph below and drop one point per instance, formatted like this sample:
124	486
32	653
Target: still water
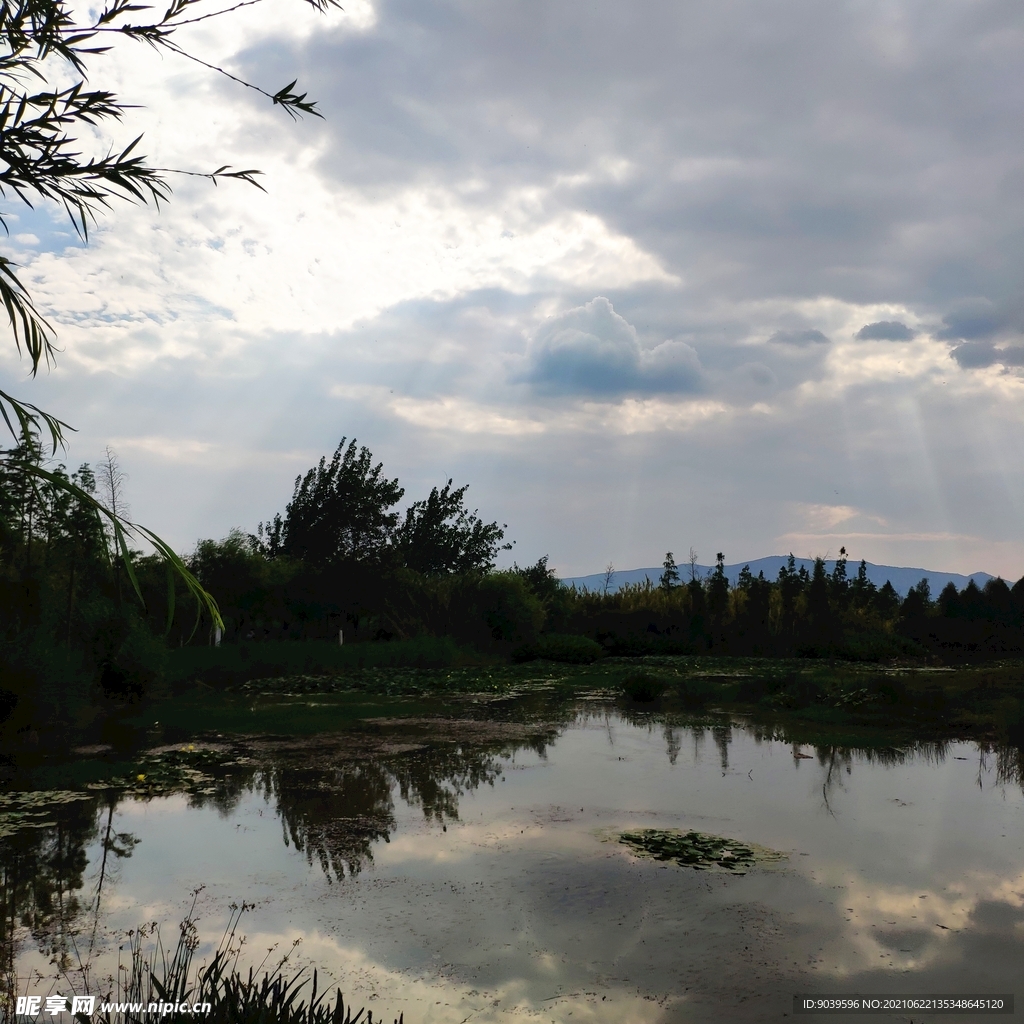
478	878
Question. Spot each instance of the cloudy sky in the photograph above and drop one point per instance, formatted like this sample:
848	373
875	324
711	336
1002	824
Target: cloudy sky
745	275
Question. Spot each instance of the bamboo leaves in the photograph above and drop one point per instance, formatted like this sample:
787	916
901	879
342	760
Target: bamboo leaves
122	530
41	158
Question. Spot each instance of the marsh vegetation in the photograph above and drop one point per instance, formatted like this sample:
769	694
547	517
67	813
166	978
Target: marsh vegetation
375	673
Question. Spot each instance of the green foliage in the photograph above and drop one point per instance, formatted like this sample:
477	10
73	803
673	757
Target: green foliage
644	687
512	612
695	692
698	850
154	975
670	576
33	809
542	580
49	522
68	642
340	512
563	647
794	691
439	535
235	664
811	614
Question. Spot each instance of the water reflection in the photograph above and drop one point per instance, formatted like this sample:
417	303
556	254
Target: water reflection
41	882
333	808
334	818
889	884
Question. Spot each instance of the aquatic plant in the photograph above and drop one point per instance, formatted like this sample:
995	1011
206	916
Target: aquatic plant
698	850
695	692
33	809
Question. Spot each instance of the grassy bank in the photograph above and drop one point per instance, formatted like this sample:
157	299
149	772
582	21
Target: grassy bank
235	664
301	689
971	701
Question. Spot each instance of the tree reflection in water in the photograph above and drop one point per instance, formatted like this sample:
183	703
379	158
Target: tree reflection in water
41	883
333	807
334	804
335	815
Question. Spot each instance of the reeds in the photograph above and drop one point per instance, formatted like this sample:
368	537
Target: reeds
173	989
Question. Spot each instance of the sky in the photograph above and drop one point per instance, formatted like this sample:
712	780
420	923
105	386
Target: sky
745	276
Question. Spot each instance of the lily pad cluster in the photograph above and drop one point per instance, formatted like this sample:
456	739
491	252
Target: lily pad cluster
173	771
20	810
698	850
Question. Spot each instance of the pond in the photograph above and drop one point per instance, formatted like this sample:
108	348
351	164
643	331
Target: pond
470	869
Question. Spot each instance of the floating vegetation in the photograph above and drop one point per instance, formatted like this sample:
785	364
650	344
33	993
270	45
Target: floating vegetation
155	774
385	682
170	771
698	849
23	810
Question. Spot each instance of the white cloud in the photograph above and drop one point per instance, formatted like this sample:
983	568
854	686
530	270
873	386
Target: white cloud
591	350
712	225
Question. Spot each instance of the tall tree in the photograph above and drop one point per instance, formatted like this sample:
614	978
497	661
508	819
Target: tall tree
439	535
718	590
819	613
862	590
341	511
670	574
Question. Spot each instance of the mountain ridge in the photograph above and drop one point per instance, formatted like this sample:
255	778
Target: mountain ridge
901	577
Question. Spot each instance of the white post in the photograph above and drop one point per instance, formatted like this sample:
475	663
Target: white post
216	636
341	637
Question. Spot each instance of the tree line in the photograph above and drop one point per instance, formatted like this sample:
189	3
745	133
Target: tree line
343	562
811	613
340	558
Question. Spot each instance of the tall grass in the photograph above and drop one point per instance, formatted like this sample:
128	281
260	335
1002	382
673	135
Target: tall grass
234	664
262	995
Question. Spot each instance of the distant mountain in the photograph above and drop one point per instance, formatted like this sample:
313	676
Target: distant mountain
900	577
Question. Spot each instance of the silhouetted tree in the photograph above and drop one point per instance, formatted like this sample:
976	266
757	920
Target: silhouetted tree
887	601
819	631
541	579
1017	601
839	585
999	603
949	601
718	600
790	585
670	576
439	535
862	590
971	601
340	512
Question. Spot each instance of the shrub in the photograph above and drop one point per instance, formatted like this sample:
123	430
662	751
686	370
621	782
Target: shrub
563	647
513	613
234	997
695	693
234	664
643	686
796	691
